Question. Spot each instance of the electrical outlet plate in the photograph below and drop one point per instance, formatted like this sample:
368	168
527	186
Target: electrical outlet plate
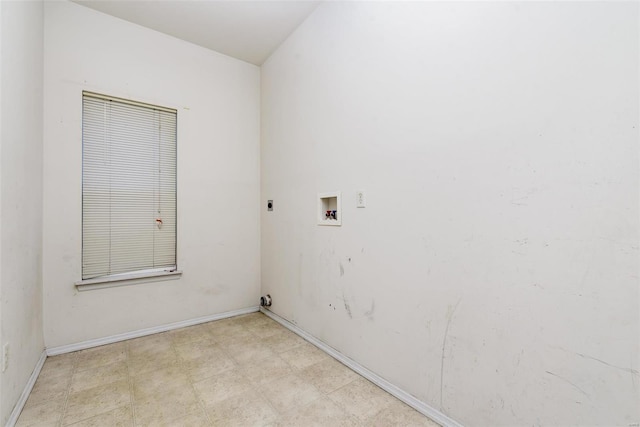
361	201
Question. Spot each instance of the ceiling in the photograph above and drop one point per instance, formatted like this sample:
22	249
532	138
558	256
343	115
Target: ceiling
249	30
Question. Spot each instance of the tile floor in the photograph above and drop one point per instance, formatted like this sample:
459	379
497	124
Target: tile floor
214	374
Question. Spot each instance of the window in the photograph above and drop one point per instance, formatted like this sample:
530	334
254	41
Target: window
128	188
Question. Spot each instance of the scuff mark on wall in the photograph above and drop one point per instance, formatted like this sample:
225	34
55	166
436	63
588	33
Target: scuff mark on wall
341	270
520	195
568	382
347	307
299	278
450	313
630	370
369	313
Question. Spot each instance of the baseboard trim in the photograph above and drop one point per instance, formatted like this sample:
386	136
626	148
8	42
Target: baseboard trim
395	391
53	351
13	418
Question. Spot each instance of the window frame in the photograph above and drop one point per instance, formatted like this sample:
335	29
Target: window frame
136	276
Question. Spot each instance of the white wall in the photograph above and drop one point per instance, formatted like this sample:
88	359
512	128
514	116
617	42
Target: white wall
217	99
20	195
494	272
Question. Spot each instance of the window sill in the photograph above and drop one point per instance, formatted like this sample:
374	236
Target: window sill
127	279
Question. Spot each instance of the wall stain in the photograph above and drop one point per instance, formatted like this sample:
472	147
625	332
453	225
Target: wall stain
341	270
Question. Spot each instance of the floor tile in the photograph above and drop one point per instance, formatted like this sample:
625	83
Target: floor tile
247	409
143	362
400	415
362	398
100	356
196	349
196	419
304	356
225	328
240	336
190	334
160	380
220	387
165	406
319	413
57	366
208	365
283	341
252	319
43	414
102	375
267	370
250	352
289	392
149	345
97	400
328	375
119	417
264	330
49	388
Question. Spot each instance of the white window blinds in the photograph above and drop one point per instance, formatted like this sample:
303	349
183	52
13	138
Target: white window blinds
128	187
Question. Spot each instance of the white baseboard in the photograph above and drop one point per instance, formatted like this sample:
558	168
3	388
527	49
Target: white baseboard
53	351
400	394
13	418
